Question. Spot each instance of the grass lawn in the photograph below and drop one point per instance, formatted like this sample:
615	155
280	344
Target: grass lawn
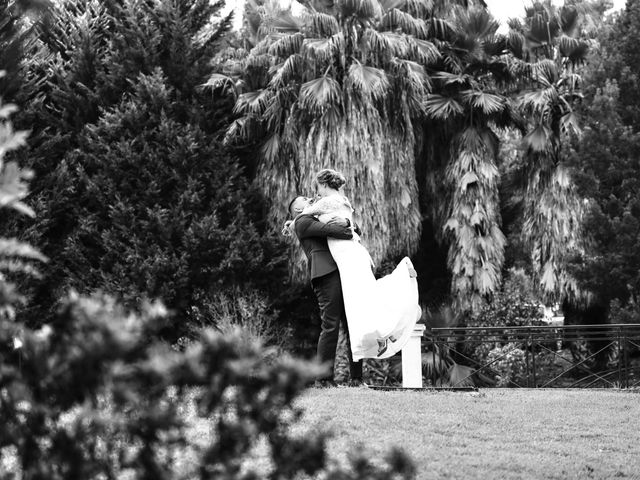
491	434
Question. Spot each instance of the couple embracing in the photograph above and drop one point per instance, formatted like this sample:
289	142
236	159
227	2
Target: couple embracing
379	314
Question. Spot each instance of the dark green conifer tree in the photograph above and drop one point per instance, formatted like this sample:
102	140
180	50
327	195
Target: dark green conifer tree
135	193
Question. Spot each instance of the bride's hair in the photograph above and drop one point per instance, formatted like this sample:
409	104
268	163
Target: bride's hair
331	178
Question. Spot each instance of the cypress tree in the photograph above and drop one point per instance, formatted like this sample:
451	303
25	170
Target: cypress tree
135	193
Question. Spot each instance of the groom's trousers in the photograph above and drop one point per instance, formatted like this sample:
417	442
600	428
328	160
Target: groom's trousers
328	290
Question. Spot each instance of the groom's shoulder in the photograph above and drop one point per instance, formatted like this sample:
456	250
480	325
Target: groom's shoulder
303	220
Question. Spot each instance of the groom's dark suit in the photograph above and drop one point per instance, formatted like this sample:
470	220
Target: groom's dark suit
325	280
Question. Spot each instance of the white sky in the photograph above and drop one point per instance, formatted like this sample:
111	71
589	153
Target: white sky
503	10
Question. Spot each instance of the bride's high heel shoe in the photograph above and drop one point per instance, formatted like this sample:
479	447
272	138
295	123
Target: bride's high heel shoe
412	271
382	345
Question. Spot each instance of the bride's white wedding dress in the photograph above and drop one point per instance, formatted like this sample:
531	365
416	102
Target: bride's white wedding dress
380	313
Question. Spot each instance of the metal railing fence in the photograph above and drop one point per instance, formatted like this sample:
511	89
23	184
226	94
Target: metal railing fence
569	356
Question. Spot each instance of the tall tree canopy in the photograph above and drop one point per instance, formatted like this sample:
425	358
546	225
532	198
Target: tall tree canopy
407	98
135	193
607	166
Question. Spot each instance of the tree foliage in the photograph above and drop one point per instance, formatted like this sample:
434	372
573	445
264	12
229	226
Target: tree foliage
91	396
336	86
408	99
136	194
605	160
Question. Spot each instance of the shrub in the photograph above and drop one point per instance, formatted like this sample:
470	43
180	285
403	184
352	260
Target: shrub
246	311
514	305
91	396
508	361
94	394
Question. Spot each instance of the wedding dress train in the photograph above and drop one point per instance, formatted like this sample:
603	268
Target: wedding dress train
379	312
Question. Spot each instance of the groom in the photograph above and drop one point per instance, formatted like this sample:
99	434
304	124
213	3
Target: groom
325	280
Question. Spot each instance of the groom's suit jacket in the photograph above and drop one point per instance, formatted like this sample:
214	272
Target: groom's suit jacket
313	237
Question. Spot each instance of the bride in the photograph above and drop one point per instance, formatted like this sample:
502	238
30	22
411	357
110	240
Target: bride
381	313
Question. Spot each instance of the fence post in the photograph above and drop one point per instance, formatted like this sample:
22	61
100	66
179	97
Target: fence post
533	359
412	359
620	358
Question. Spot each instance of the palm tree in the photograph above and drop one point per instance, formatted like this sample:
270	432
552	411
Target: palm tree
407	97
468	108
339	85
549	42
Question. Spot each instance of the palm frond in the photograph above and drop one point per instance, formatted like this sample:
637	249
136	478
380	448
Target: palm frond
385	43
447	79
286	45
423	51
239	129
488	103
285	72
252	102
271	148
546	72
217	80
323	24
453	64
367	81
515	43
571	81
231	53
441	29
439	107
286	22
543	27
360	9
578	55
569	124
320	49
397	19
566	45
418	8
477	22
278	106
569	19
539	139
319	94
515	25
434	364
461	376
258	62
413	73
338	42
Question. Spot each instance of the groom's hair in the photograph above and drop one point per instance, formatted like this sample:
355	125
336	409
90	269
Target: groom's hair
290	209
